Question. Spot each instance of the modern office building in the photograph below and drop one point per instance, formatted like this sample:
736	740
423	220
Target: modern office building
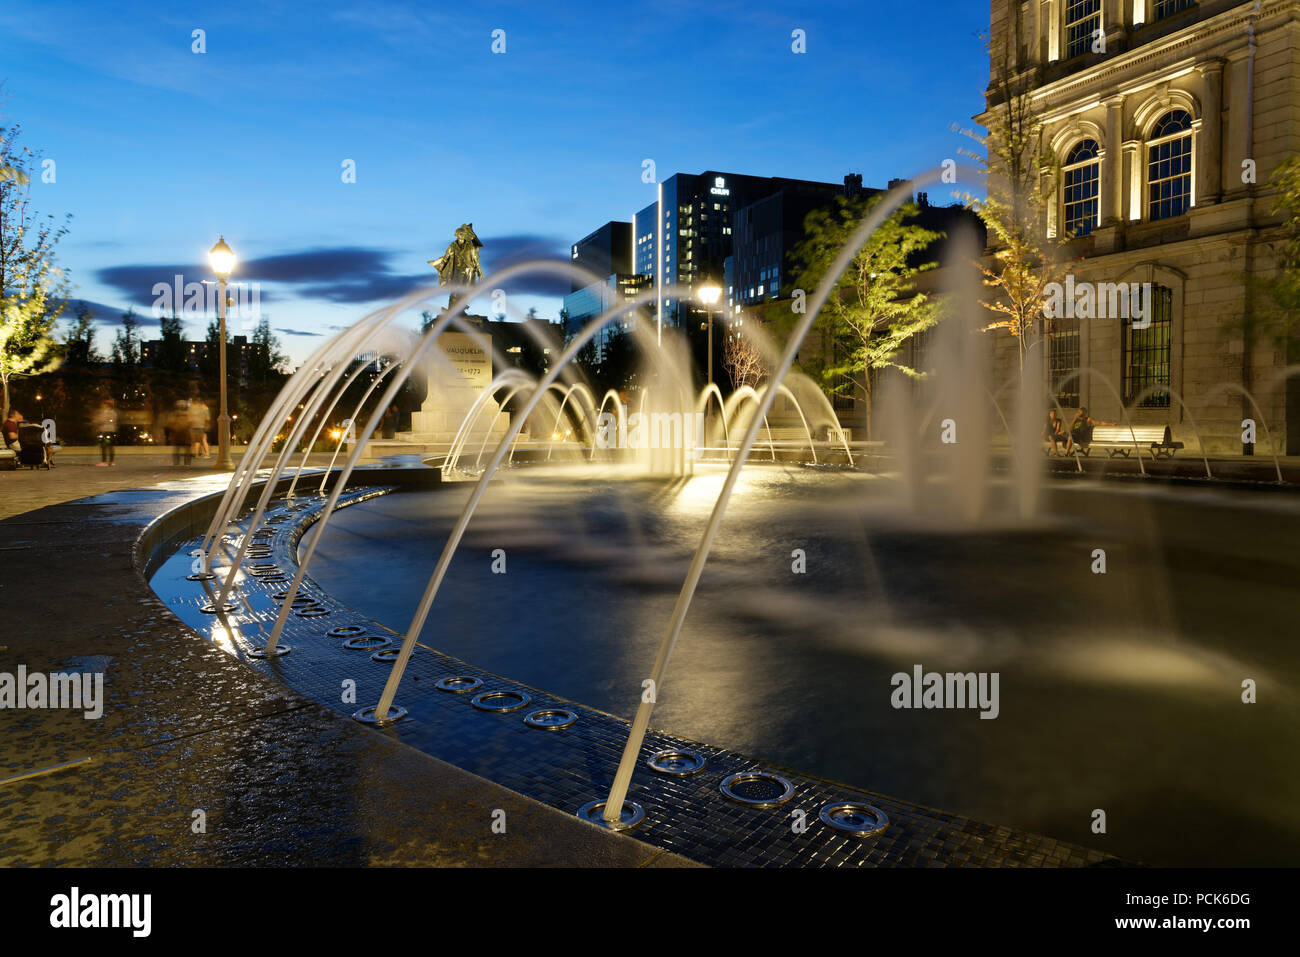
585	304
765	232
1167	119
605	252
685	238
766	236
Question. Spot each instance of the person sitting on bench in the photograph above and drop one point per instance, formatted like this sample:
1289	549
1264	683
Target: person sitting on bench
11	430
1081	428
1055	432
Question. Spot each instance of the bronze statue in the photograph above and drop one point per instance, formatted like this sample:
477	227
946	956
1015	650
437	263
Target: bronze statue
460	262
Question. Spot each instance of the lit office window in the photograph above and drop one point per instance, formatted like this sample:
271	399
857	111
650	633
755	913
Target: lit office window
1082	20
1079	188
1169	165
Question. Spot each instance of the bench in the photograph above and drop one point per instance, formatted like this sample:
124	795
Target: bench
8	459
832	435
783	433
1122	439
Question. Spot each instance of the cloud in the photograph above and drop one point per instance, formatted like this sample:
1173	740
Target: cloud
349	274
341	274
136	283
311	265
361	287
102	314
500	252
297	332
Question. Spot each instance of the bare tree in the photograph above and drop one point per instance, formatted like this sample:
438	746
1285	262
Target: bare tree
741	359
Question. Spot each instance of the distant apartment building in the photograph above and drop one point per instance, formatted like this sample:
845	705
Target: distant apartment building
1165	120
196	352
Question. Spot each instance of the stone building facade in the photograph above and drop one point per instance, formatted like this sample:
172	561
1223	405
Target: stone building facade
1164	121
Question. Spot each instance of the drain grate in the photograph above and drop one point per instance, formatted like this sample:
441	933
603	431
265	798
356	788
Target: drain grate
757	788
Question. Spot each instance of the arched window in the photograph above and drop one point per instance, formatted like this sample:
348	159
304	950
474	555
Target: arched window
1079	188
1169	166
1148	350
1167	8
1082	20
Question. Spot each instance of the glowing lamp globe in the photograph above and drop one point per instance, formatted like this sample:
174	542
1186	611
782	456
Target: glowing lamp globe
222	258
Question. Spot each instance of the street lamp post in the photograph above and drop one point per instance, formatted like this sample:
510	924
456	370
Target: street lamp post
222	258
709	295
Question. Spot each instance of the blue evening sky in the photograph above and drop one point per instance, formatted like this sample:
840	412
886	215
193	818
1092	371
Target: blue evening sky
159	149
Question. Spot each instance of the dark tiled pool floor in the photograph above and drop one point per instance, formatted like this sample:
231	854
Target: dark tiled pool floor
567	768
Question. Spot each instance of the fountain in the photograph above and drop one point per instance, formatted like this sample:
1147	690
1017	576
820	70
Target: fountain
939	498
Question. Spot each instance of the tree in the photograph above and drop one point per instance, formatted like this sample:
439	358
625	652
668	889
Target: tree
1270	309
79	345
1285	289
619	363
32	287
9	173
171	359
1023	263
126	347
874	309
265	361
741	359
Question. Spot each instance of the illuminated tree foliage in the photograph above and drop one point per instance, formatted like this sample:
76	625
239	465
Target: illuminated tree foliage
32	286
874	310
1022	178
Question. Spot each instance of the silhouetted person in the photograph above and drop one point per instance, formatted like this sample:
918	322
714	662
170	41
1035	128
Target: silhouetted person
178	423
106	429
200	418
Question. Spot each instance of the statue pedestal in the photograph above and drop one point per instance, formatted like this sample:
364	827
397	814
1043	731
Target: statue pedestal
454	387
